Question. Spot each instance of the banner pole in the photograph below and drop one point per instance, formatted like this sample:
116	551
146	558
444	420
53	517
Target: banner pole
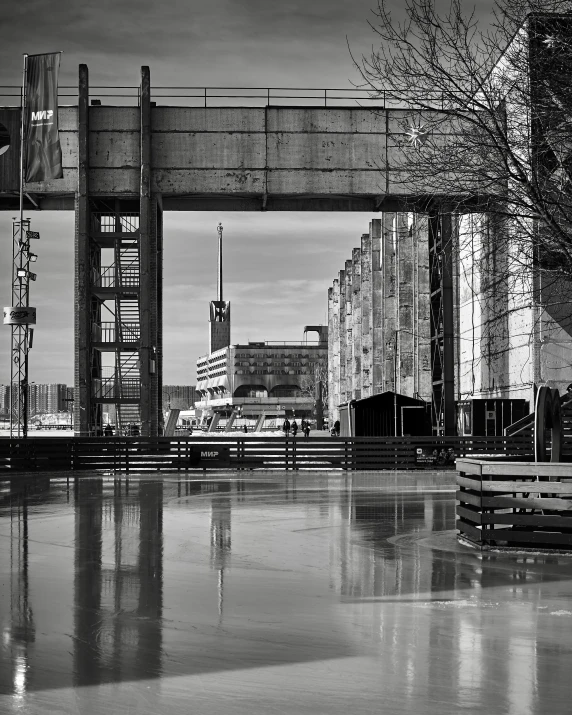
22	125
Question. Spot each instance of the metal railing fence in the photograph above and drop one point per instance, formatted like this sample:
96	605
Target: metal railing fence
247	96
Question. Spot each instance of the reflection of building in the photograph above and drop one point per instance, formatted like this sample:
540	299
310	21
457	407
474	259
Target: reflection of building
220	539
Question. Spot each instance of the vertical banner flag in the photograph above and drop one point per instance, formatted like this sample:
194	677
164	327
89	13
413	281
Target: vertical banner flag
42	140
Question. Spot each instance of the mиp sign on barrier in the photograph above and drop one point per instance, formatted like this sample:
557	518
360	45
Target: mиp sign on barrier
19	315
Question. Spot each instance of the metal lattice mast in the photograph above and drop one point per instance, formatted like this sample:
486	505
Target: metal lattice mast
20	333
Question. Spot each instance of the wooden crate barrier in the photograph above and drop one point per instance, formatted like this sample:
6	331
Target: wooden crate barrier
515	504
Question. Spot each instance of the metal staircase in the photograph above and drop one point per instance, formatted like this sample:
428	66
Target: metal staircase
116	288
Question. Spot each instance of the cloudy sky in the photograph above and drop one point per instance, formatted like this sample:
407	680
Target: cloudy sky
278	266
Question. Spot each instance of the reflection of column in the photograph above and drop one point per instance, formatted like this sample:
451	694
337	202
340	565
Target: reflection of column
220	542
21	631
150	579
118	586
87	584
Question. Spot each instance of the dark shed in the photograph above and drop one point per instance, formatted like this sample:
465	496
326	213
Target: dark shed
385	415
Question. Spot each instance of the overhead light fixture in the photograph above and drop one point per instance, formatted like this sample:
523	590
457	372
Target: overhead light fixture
22	272
32	276
32	234
32	257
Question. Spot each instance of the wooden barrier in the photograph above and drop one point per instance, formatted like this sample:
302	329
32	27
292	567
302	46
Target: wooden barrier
125	454
515	504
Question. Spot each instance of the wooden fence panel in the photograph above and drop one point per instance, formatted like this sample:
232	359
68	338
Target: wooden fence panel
176	453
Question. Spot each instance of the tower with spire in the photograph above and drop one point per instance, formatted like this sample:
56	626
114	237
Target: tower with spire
219	321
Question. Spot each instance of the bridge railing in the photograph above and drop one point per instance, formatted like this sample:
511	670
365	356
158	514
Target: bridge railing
242	97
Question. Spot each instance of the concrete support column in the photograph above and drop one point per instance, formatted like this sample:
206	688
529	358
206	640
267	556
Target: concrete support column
449	412
342	337
376	307
82	327
349	331
159	314
404	291
330	350
389	302
356	320
366	317
422	319
334	360
230	421
336	352
149	214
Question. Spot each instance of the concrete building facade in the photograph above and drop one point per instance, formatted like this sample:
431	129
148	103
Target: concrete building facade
512	320
515	320
179	396
261	378
379	334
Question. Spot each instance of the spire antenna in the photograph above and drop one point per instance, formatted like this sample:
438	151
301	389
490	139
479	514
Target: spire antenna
219	277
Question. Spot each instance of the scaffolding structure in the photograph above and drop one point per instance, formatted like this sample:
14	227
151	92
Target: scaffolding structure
22	333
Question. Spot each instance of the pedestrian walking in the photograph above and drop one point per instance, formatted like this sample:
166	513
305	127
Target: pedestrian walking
306	429
294	428
286	427
108	431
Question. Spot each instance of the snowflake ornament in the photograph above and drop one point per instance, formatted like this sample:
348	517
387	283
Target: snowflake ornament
417	135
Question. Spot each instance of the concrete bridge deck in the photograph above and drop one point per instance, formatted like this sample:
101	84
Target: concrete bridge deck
277	158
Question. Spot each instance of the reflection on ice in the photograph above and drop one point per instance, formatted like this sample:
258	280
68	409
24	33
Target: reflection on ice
126	582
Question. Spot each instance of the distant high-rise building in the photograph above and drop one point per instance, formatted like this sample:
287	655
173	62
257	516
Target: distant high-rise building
42	398
4	400
69	399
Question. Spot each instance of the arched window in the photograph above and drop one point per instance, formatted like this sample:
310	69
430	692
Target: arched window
285	391
251	391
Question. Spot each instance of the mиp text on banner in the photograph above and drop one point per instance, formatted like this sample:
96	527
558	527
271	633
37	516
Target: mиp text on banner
43	153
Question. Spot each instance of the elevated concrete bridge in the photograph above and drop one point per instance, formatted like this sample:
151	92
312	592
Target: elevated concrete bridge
275	158
125	165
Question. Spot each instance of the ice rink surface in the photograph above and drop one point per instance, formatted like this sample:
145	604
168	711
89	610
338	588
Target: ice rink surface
285	593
